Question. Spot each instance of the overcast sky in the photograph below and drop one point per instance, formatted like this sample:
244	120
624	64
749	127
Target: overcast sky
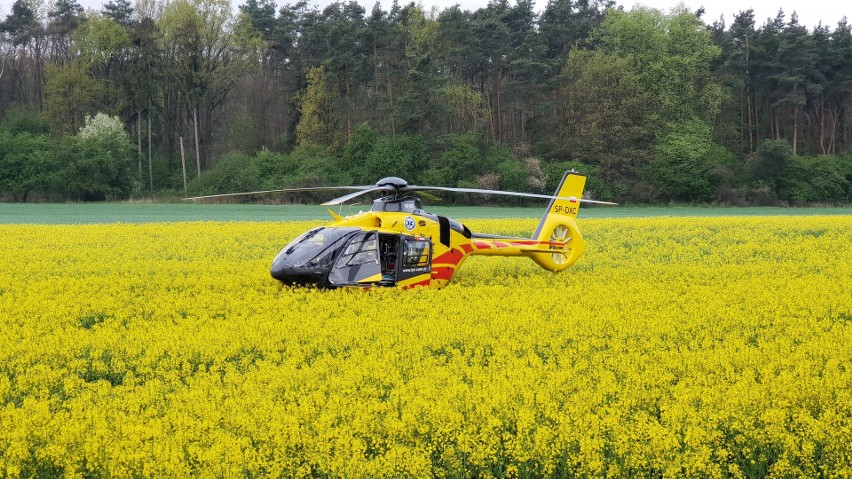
810	12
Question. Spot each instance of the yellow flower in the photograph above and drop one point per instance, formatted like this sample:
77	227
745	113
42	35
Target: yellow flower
677	347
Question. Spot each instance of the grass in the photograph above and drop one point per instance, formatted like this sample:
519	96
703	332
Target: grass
88	213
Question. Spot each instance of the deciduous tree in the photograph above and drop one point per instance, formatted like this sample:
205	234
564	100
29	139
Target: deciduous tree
97	161
315	123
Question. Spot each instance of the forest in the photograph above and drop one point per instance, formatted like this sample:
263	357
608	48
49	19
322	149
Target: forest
160	99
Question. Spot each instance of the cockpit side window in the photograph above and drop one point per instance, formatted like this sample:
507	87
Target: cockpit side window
361	249
358	263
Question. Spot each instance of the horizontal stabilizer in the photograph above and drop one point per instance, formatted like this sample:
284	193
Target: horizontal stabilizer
544	251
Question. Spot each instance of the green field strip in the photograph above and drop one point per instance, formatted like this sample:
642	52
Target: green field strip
95	213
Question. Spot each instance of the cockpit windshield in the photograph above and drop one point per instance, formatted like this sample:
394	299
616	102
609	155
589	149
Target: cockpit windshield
314	249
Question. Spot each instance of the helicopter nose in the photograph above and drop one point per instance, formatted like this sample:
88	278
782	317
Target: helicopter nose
288	276
277	271
298	276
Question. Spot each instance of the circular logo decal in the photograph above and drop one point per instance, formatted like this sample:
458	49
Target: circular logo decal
409	223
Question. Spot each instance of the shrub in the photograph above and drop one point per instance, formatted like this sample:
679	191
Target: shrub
679	170
769	163
404	156
23	120
274	168
232	172
821	179
27	162
360	147
97	161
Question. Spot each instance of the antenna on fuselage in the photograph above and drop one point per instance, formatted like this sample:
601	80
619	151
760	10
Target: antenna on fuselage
350	207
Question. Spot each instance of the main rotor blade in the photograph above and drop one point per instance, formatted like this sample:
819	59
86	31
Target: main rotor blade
345	198
286	190
429	196
497	192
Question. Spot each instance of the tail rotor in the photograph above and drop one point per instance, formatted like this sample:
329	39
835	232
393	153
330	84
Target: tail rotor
558	226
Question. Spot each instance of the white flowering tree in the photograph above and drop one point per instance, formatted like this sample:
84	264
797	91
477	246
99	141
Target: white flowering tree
103	127
98	160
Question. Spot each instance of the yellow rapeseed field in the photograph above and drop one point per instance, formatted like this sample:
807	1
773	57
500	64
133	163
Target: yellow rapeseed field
677	347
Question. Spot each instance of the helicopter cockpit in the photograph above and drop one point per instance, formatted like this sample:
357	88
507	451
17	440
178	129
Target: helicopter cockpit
332	256
408	204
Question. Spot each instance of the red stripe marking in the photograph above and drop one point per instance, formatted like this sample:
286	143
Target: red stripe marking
452	256
425	282
443	272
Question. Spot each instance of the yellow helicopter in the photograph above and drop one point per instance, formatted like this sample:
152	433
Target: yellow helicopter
397	243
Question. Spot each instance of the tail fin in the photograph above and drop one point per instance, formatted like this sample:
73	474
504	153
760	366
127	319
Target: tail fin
559	225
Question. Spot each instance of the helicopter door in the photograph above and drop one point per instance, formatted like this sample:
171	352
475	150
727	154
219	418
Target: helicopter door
389	250
359	262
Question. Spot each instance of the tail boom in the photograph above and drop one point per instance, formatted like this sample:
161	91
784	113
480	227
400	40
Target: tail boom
508	246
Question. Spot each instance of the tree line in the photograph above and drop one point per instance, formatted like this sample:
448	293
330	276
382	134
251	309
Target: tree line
654	106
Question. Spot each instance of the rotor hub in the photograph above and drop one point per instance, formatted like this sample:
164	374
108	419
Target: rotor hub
392	181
